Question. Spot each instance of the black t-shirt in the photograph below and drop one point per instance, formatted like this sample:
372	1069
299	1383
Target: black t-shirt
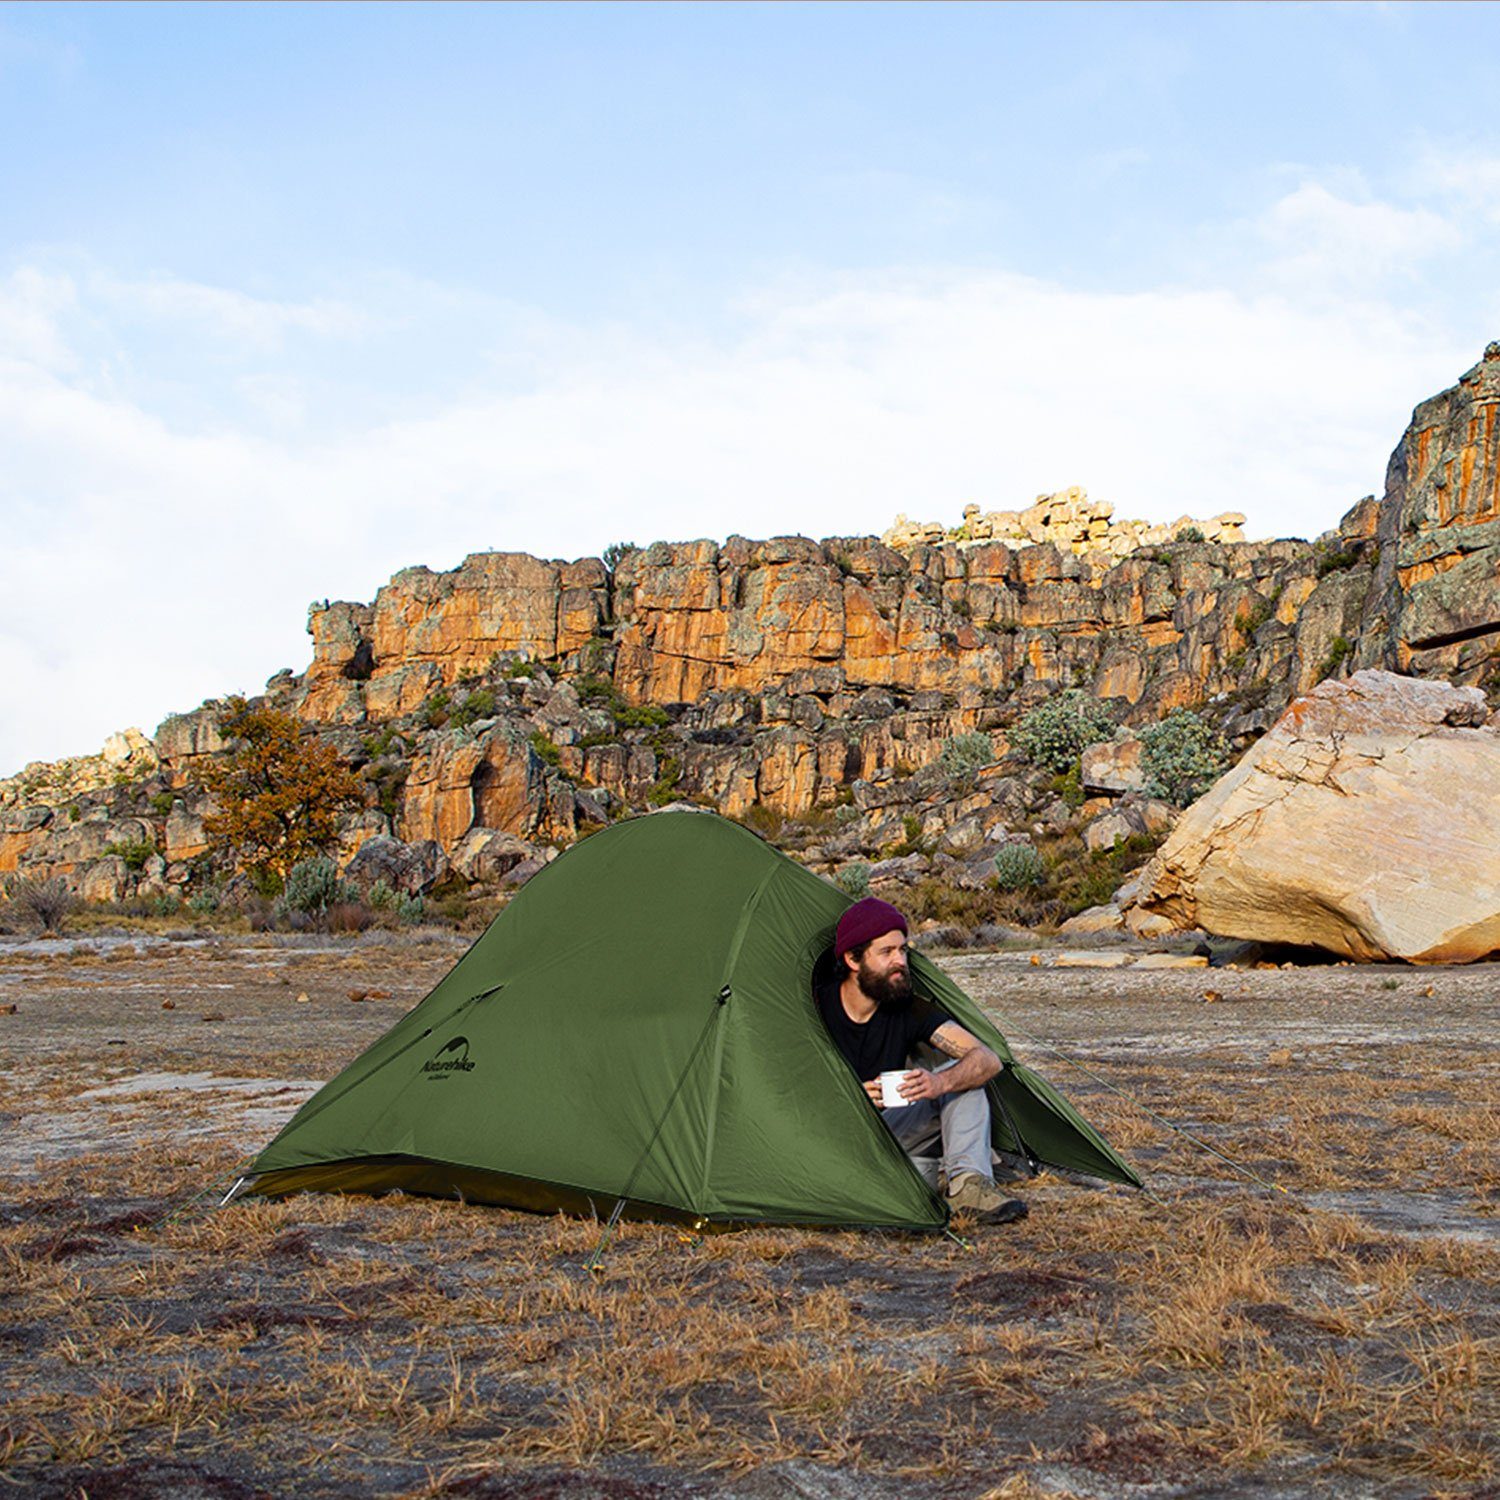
884	1042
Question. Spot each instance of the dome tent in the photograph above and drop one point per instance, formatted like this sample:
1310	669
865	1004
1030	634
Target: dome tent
637	1027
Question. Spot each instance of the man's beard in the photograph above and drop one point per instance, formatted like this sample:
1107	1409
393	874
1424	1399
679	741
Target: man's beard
890	991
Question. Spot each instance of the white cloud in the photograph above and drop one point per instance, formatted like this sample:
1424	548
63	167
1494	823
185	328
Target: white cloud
151	561
1315	233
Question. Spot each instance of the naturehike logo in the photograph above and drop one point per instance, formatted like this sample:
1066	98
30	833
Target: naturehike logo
451	1058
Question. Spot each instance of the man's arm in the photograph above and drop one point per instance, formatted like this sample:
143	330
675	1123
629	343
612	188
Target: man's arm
976	1065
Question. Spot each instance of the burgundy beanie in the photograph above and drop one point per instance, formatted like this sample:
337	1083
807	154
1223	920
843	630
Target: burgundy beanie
864	921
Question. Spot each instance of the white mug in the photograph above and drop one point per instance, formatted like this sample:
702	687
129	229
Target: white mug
890	1089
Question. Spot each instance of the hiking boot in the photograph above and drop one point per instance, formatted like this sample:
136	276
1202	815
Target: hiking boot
977	1195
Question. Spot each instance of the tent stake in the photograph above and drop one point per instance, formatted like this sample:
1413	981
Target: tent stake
594	1264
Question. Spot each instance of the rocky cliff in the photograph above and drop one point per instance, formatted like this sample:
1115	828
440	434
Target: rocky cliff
497	708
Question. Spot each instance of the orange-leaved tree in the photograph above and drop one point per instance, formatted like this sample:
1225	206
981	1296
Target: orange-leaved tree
279	791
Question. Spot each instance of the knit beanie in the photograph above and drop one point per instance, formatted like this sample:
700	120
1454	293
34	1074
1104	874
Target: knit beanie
864	921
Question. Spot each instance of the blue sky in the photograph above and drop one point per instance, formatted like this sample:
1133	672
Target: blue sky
294	296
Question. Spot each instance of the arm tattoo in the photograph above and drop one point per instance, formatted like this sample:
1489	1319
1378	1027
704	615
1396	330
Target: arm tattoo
951	1038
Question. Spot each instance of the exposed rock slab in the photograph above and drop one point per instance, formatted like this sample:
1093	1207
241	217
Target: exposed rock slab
1367	823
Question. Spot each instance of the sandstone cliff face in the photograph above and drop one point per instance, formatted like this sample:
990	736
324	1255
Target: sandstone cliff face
806	679
1434	604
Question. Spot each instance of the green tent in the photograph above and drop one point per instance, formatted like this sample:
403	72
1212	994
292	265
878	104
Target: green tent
637	1028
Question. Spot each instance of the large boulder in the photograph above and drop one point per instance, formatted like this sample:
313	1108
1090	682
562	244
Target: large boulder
409	869
1367	822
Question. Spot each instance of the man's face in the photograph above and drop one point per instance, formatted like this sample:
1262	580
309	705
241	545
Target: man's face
883	974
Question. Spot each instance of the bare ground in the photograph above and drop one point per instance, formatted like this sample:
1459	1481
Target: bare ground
1336	1332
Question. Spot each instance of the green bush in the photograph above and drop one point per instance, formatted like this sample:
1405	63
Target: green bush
135	852
313	885
1190	534
1338	650
642	716
411	910
381	897
1053	734
1018	866
1182	757
1069	786
967	752
205	901
161	803
1334	560
435	709
854	879
664	788
480	704
617	552
547	752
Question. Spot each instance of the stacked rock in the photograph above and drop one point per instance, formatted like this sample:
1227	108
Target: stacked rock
1068	520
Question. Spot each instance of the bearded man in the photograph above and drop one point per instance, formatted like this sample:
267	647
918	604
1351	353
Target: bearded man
876	1021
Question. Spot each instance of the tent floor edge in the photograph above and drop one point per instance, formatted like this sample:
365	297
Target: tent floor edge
379	1175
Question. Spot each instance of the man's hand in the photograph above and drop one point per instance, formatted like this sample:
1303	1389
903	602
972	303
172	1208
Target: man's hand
920	1084
872	1088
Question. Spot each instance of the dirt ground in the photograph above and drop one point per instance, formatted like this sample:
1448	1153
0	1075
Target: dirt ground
1332	1330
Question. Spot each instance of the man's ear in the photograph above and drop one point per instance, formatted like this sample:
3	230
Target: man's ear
851	963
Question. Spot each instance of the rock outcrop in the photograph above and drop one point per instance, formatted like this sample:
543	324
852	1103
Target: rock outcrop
498	710
1069	520
1366	823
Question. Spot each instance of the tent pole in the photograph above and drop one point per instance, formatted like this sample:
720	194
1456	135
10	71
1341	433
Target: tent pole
594	1261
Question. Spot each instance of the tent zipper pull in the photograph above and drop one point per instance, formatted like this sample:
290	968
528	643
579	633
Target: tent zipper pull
724	995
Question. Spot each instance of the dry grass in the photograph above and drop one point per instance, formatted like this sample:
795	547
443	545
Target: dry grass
1224	1333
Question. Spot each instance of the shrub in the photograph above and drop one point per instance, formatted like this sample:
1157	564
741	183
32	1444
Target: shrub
411	910
1190	534
135	852
1069	786
1054	733
45	902
664	788
1338	649
1334	560
1018	866
313	885
205	901
642	716
546	751
1182	756
161	803
435	709
967	752
854	879
480	704
348	916
381	897
617	552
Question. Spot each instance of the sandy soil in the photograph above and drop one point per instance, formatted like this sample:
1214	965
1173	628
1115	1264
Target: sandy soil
1333	1328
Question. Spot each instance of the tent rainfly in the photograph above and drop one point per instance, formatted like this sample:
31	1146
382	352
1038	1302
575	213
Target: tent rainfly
636	1030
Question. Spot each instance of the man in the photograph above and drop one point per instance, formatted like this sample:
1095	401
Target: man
876	1021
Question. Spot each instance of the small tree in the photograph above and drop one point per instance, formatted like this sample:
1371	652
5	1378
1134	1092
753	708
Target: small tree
279	792
854	879
1182	756
1054	733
